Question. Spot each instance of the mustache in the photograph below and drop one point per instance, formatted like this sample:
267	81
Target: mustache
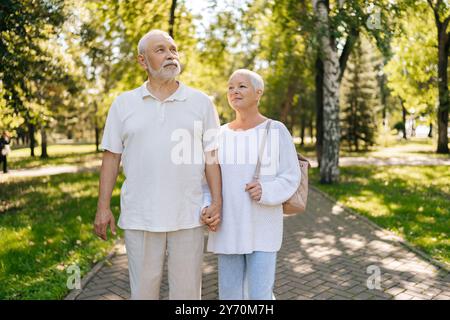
171	62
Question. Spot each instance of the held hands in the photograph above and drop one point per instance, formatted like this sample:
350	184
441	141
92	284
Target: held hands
103	218
211	216
254	189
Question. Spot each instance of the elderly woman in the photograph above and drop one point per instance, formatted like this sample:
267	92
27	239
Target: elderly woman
250	233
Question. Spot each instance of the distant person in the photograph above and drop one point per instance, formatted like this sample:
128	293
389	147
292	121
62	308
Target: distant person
161	199
4	150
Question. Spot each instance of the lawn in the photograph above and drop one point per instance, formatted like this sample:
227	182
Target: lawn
59	154
411	201
46	225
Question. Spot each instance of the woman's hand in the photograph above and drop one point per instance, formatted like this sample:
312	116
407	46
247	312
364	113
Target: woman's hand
254	189
210	216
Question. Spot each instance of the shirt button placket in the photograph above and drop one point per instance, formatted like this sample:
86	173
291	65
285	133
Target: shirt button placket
161	111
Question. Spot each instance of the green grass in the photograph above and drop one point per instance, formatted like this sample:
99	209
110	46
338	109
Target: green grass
46	225
70	154
411	201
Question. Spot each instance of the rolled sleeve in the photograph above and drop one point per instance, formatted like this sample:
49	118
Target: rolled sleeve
211	127
112	133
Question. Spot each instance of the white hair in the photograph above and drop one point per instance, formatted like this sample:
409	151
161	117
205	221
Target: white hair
256	80
143	41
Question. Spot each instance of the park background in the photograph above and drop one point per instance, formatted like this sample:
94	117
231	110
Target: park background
365	82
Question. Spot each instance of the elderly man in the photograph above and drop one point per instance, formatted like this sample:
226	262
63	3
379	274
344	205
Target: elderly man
161	197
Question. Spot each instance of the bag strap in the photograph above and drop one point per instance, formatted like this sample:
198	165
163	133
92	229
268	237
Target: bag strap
261	150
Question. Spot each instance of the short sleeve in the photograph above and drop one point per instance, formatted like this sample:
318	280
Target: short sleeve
211	127
112	133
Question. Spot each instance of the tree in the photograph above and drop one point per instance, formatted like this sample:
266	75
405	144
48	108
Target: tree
26	27
441	11
286	64
339	23
360	97
412	70
329	169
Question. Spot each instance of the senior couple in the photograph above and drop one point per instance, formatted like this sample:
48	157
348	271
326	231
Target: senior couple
166	203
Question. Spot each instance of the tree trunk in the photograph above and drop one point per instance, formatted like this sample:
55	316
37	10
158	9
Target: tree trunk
302	131
172	18
319	109
383	95
291	125
44	154
96	127
442	113
97	138
287	103
430	132
329	164
31	137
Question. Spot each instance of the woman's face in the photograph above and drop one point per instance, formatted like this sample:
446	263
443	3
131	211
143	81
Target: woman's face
241	93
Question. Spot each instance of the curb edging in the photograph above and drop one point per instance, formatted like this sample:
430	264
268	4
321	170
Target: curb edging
74	293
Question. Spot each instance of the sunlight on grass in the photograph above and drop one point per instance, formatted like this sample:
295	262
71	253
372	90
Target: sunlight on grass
50	230
412	201
71	154
54	150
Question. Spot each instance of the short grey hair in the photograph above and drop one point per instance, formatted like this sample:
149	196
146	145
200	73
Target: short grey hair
256	80
143	41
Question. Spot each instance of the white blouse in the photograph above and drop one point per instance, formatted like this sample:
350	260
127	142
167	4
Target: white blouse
248	225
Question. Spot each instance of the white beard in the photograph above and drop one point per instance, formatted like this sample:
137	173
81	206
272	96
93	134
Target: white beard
164	73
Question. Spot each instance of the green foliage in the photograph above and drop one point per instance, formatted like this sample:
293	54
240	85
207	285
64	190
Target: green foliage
412	71
31	74
360	97
399	126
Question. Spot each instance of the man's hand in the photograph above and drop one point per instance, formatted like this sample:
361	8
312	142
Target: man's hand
103	218
211	216
254	189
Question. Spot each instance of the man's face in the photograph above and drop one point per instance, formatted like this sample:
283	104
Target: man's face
161	57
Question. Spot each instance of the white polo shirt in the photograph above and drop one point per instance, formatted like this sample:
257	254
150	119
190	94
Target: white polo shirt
162	145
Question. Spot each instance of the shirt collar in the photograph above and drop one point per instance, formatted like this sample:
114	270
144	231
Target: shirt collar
178	95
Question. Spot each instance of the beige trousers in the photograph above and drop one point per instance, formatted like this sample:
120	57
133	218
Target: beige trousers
146	253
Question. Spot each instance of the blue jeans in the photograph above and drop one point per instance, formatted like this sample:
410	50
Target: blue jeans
247	276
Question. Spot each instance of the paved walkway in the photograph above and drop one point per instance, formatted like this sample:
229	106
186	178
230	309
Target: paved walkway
326	254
